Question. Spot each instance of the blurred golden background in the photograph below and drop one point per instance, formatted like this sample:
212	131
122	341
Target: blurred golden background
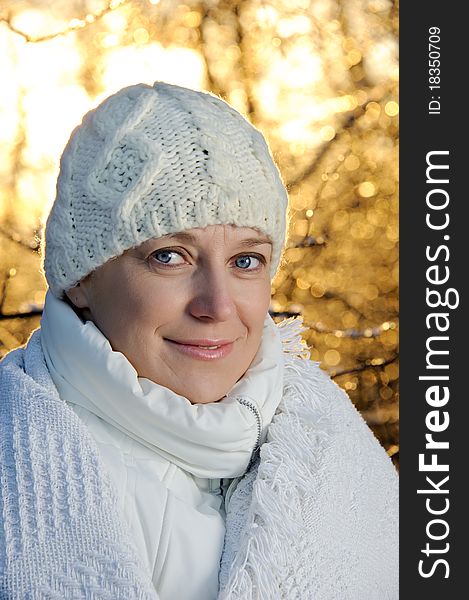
318	77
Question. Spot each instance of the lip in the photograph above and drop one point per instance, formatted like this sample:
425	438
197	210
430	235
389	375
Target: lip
201	342
193	348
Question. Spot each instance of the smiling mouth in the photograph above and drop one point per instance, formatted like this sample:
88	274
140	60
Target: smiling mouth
203	349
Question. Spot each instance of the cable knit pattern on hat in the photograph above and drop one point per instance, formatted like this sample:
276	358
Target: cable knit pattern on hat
150	161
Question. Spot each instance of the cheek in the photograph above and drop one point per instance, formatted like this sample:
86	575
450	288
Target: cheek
117	315
255	305
144	304
120	306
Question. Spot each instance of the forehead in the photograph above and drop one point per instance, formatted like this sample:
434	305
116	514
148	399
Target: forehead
228	234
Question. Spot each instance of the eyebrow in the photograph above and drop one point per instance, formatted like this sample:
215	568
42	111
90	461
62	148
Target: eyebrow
248	242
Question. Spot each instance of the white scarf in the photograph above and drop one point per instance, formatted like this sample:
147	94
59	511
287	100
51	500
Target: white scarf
213	440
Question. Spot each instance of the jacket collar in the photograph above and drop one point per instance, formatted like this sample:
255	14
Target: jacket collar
213	440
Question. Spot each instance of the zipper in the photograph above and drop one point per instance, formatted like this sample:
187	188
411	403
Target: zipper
255	411
253	408
230	490
214	486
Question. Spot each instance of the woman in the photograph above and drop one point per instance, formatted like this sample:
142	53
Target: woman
161	436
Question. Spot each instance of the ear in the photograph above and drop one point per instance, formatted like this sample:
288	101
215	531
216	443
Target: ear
78	295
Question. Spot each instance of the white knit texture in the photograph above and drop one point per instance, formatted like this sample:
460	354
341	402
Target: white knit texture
61	534
150	161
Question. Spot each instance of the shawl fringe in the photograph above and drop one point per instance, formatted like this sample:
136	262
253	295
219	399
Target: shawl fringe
275	548
290	333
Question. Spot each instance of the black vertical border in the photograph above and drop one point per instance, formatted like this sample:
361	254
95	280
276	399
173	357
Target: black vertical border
421	133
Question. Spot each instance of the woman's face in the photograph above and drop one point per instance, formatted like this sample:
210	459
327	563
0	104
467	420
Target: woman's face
186	309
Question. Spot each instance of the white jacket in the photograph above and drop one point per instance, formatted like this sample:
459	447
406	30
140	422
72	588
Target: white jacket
315	516
168	459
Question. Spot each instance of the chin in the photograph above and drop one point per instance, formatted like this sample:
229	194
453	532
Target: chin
207	396
204	386
203	399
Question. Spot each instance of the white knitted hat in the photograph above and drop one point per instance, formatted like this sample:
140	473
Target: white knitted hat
150	161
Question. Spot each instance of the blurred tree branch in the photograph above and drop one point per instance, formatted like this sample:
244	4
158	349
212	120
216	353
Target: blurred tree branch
201	29
15	237
3	290
246	76
75	24
21	315
365	366
345	126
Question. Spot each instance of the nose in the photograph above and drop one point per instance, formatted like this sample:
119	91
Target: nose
212	298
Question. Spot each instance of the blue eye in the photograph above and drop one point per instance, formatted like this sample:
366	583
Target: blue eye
167	257
173	258
247	262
